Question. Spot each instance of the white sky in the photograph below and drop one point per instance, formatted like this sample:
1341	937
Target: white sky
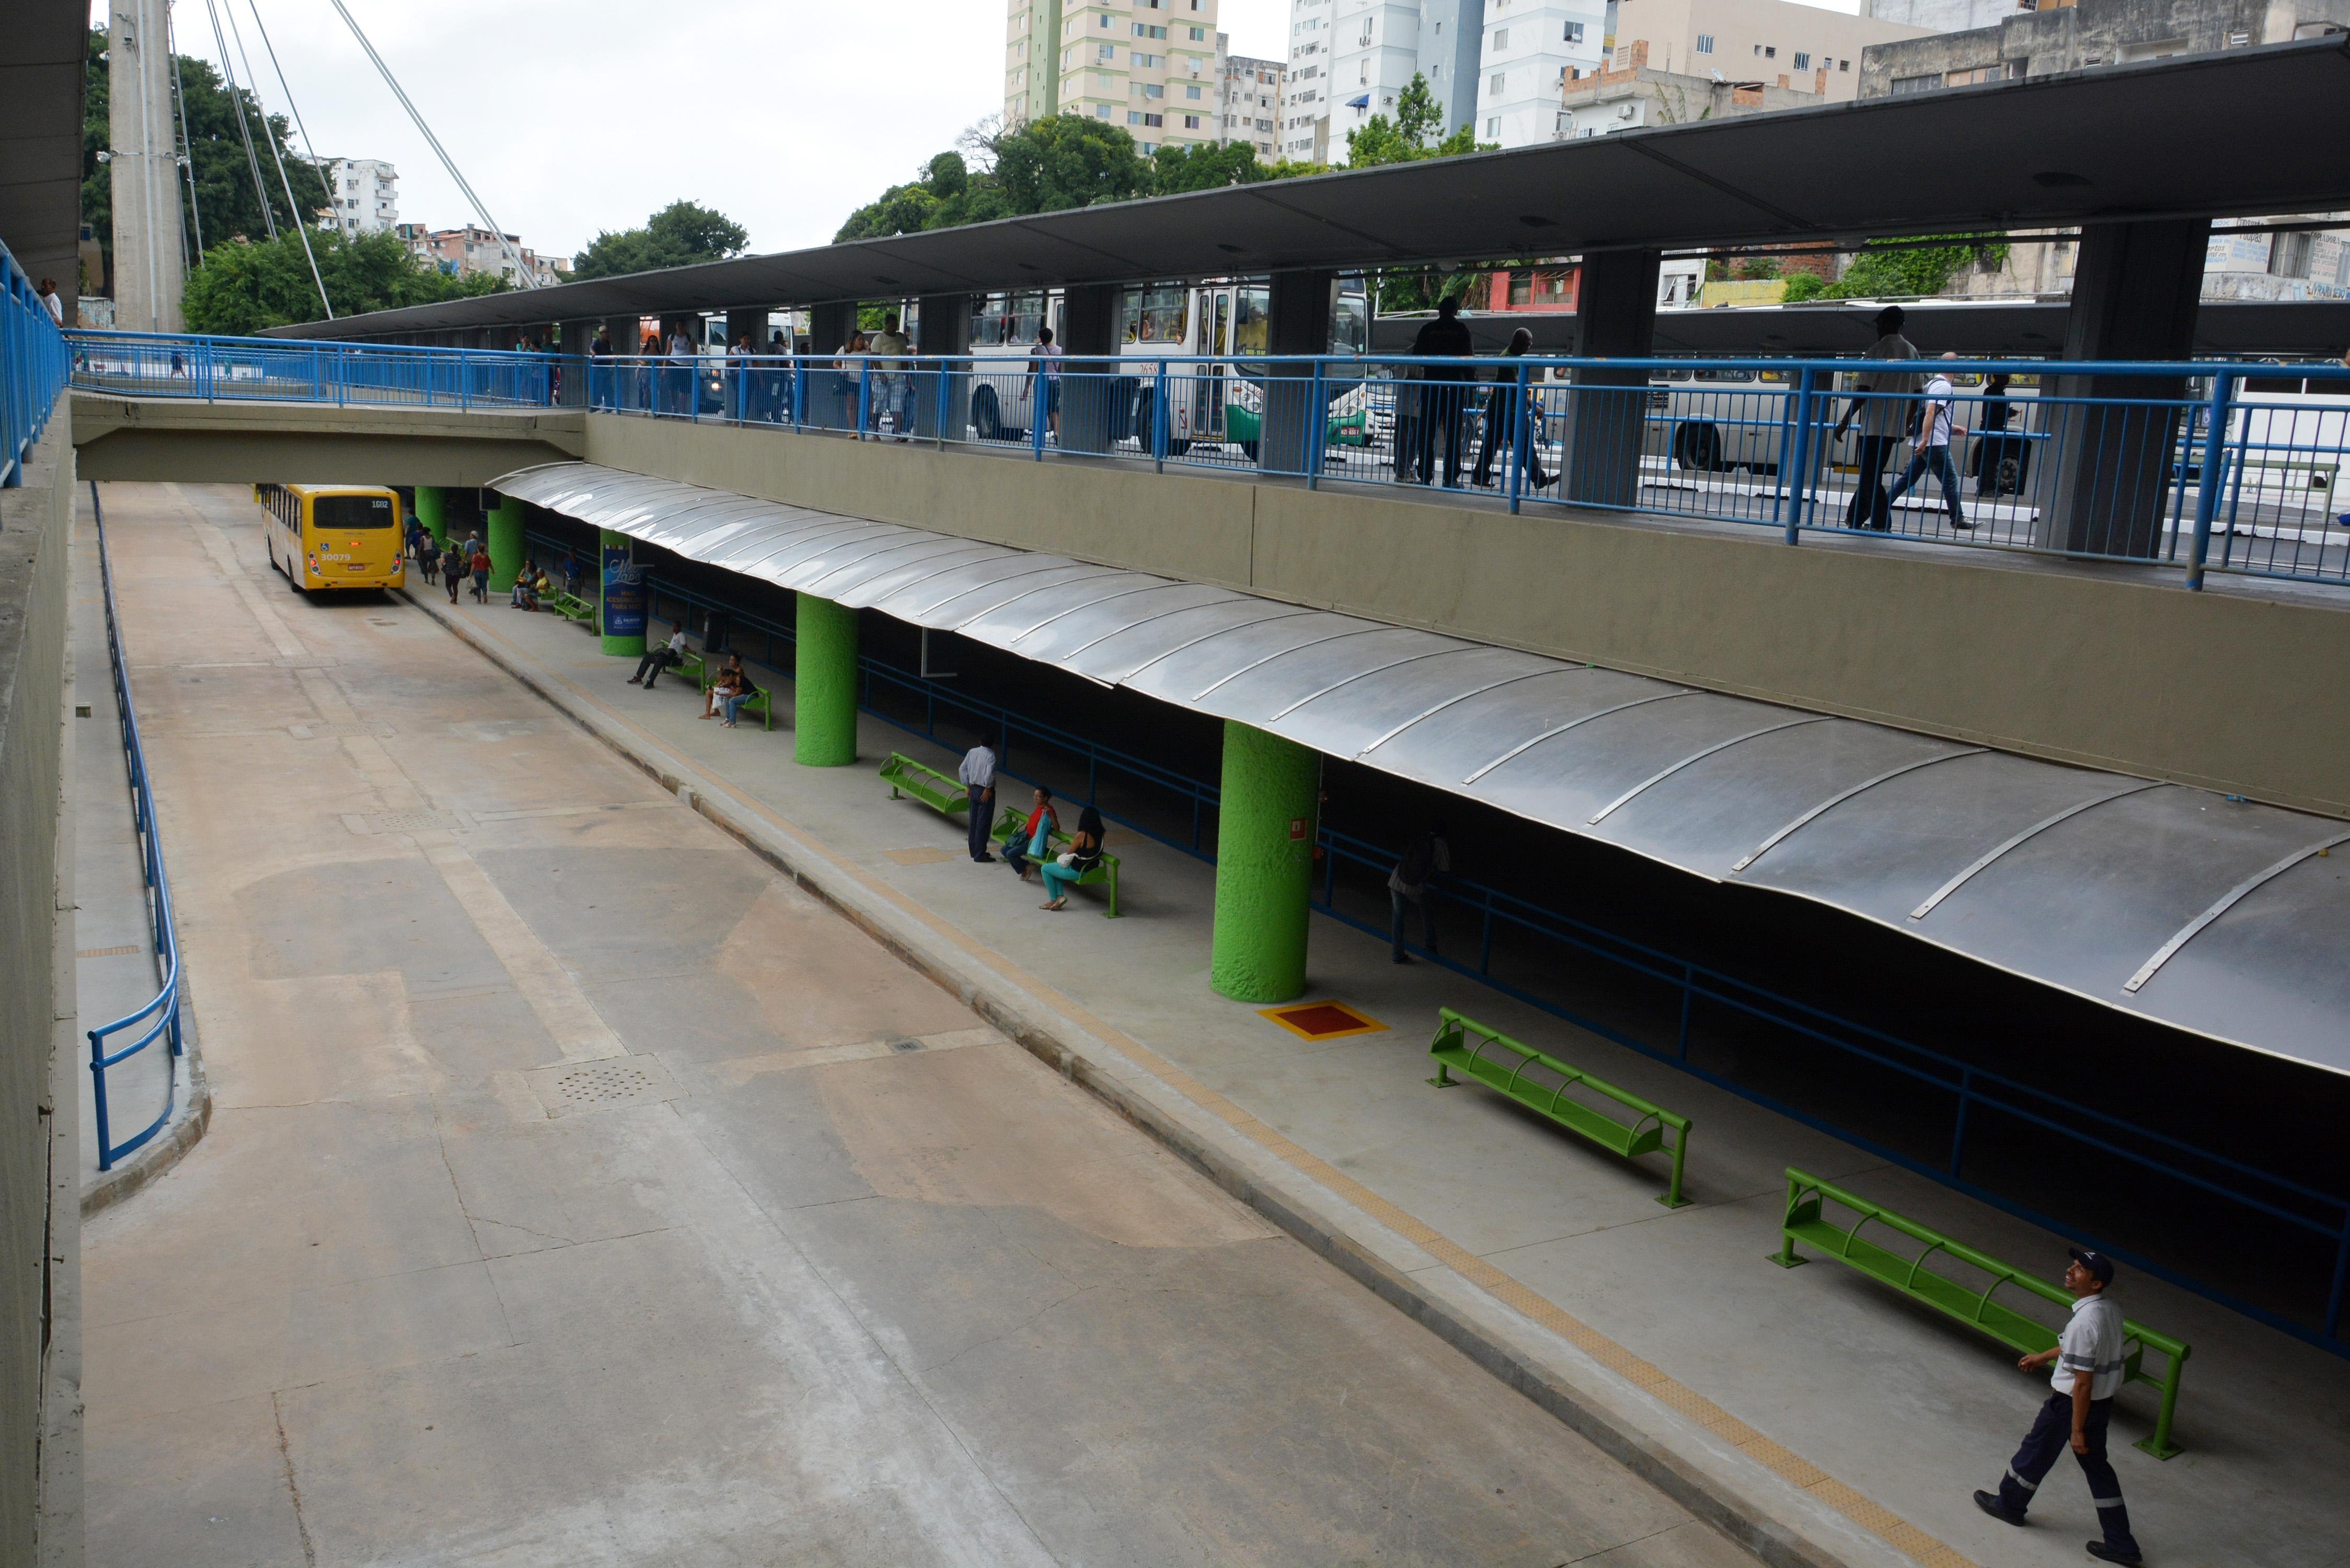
572	116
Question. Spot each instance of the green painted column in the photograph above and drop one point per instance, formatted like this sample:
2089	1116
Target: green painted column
1264	865
504	540
620	597
824	685
431	510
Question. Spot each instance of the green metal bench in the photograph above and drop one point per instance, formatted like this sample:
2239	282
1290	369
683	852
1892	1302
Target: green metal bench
570	607
1645	1135
1101	873
1806	1221
761	703
921	781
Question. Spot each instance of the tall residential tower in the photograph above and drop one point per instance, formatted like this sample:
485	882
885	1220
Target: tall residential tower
1148	64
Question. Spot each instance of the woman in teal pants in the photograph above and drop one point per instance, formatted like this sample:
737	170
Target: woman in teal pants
1084	853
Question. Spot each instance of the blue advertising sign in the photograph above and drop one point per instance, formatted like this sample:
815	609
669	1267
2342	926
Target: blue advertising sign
624	594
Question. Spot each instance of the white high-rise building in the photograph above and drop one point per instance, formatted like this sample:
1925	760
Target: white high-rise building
1146	65
1304	121
1533	49
366	195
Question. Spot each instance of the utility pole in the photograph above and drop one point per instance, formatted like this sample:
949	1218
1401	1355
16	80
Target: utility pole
149	255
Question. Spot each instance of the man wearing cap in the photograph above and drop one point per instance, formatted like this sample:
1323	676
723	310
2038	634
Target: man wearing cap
2088	1360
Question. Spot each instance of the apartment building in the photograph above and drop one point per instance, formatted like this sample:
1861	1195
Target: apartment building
1532	50
474	249
363	195
1776	42
1146	65
2062	35
1306	92
1248	109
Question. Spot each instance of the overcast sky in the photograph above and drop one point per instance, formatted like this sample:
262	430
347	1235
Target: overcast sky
572	116
568	117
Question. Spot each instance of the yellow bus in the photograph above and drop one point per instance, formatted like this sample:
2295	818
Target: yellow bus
335	536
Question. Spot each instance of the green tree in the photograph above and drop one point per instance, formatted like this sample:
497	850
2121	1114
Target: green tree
244	287
1069	160
1805	286
1916	269
1412	135
946	195
1203	166
679	234
226	204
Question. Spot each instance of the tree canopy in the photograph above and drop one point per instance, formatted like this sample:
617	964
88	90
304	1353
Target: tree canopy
244	287
1910	270
679	234
1412	135
226	203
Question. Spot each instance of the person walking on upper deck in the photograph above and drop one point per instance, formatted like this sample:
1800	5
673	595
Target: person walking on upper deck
1932	450
680	371
50	301
2088	1362
978	776
1044	359
1443	392
1501	420
1881	402
892	391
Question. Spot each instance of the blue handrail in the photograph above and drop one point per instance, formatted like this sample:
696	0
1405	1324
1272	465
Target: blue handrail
34	368
161	1016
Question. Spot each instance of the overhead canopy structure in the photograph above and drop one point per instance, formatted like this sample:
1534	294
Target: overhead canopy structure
2211	915
41	68
2192	136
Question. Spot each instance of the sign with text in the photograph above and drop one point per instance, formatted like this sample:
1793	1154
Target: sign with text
624	594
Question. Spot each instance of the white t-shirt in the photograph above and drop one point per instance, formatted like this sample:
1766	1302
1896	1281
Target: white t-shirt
1939	396
57	306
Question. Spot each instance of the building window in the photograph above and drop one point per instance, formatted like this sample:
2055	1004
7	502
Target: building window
1154	121
2289	255
1190	122
1190	92
1926	83
1575	31
1803	61
1771	52
1152	89
2002	72
1493	126
1101	112
1500	79
1500	39
1107	52
1844	65
1705	43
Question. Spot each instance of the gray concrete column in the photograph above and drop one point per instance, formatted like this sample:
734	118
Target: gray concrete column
1088	391
752	324
1606	413
2135	290
831	396
1297	321
576	337
149	264
942	329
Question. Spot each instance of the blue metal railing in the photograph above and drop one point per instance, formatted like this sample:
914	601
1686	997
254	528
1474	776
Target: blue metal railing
33	367
159	1018
272	370
1971	1093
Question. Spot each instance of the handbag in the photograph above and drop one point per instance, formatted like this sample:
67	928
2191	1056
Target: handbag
1067	859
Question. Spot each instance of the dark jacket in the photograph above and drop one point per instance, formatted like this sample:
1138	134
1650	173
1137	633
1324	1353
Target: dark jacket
1444	339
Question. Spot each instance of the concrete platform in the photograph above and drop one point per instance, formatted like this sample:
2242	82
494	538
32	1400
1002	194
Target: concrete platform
581	1191
1891	1412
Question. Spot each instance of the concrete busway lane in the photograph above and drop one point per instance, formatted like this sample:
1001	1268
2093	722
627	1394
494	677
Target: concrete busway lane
1904	1411
579	1192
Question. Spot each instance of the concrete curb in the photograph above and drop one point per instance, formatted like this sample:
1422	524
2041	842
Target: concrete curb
173	1144
1780	1523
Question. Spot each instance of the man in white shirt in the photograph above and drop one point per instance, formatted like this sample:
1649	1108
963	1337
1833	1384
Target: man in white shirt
2088	1362
680	360
978	777
667	656
1881	404
50	301
1931	452
893	393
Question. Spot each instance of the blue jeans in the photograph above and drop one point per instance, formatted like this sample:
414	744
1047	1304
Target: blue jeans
733	704
1059	879
1017	860
1936	461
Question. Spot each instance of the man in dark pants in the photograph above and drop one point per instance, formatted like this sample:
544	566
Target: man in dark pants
2088	1360
1443	392
1883	406
978	777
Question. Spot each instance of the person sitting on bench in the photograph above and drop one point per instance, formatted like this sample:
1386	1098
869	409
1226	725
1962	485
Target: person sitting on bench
1035	835
668	656
1084	853
526	587
731	679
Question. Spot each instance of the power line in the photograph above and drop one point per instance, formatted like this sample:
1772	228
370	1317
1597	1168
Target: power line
480	210
293	207
236	99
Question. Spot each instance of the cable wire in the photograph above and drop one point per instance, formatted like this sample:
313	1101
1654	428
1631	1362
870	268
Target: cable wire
236	100
480	210
187	150
310	148
293	207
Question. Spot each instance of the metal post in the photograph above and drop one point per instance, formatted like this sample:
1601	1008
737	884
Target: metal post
864	395
1315	422
941	409
2218	411
1158	421
1518	429
1796	466
1037	401
1689	999
1959	1133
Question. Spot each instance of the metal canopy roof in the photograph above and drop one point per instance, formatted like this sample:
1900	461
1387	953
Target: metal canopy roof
2192	135
2211	915
41	69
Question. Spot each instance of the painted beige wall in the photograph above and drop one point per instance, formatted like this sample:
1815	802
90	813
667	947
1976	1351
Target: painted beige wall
242	444
2244	689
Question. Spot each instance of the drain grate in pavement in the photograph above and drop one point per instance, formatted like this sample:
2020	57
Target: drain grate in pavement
110	952
573	1088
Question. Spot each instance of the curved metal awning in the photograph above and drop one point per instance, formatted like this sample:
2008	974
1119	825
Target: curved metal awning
2217	916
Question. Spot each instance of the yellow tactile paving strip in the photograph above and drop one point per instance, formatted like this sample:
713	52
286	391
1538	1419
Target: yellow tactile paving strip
1869	1515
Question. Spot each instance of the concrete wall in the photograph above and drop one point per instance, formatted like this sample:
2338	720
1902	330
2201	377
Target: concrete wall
241	443
2100	33
35	528
2114	666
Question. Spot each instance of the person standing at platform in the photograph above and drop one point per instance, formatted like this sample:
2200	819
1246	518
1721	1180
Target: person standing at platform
1932	451
2088	1362
1408	886
978	777
1443	392
1881	402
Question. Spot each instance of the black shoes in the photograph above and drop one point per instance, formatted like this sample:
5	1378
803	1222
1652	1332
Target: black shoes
2104	1553
983	860
1989	1503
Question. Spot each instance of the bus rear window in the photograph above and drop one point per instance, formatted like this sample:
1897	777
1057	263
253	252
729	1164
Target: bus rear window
339	512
